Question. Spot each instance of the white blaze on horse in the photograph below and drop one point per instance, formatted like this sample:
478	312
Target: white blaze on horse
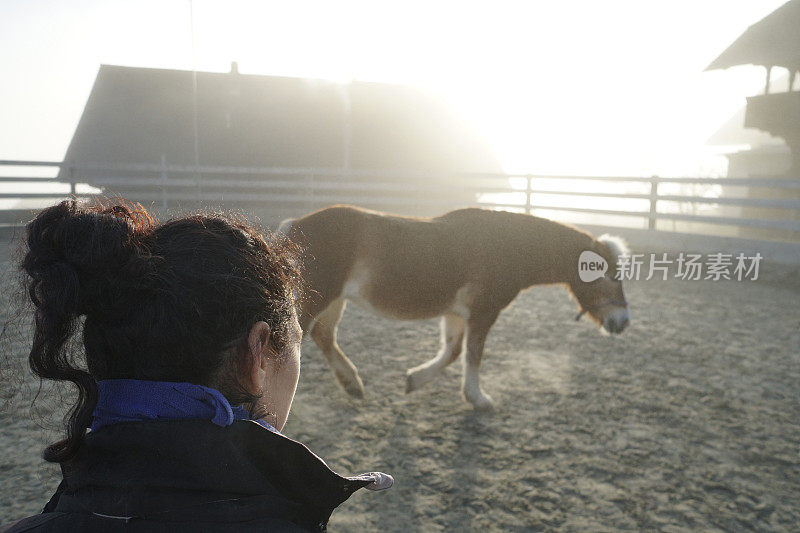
465	266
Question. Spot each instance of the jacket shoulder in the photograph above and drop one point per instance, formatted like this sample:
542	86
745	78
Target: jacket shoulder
39	522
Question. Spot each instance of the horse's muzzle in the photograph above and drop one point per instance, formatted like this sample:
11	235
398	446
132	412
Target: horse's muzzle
617	321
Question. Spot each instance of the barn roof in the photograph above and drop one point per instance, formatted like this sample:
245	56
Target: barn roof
138	115
772	41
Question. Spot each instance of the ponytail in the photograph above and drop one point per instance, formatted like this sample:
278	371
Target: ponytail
72	252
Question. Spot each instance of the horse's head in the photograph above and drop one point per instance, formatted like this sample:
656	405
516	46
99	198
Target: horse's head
596	286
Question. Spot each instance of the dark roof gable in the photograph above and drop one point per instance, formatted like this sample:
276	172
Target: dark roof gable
134	115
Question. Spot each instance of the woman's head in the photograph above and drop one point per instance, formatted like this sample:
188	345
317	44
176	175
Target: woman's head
205	299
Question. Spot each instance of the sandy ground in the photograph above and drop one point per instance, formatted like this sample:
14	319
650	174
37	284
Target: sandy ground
686	422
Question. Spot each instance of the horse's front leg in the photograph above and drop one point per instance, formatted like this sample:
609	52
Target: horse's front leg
478	327
452	341
324	334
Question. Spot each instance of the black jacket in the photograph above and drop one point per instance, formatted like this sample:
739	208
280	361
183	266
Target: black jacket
191	475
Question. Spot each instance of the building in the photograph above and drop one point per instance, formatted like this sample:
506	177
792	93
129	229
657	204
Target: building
137	119
768	128
774	41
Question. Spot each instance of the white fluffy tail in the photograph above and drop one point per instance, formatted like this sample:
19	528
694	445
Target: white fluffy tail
617	245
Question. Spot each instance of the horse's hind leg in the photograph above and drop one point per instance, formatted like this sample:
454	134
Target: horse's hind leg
324	334
477	330
452	342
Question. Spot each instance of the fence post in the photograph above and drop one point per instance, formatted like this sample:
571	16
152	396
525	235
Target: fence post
198	188
651	222
528	182
164	183
72	187
313	194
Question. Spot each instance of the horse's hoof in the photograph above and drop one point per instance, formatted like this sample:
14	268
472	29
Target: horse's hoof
353	387
409	384
482	403
356	390
413	381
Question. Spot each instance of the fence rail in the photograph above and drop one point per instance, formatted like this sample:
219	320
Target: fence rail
168	183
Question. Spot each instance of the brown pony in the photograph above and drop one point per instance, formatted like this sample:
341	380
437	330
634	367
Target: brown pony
465	266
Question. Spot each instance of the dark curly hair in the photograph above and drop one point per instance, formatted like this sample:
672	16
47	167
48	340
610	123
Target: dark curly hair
167	302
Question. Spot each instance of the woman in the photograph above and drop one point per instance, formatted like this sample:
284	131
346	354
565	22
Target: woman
192	351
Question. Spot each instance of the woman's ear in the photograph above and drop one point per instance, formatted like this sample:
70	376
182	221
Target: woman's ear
258	349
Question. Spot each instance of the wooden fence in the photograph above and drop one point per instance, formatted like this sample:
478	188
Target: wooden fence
769	204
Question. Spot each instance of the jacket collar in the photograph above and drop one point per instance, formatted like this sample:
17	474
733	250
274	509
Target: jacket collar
150	468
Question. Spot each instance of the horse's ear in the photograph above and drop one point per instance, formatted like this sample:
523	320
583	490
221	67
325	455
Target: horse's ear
617	245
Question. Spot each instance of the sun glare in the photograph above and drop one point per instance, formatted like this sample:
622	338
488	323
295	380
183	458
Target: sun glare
556	88
608	92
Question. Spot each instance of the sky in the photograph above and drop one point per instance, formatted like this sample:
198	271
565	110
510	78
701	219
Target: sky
562	87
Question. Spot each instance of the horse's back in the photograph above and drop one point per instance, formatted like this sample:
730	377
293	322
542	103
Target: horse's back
404	267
